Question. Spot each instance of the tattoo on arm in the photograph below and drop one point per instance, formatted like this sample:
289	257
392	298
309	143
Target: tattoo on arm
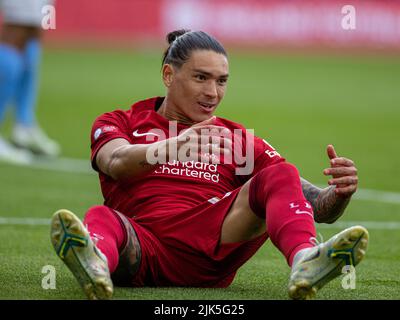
327	206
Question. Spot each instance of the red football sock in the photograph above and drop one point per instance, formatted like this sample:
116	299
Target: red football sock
107	232
275	194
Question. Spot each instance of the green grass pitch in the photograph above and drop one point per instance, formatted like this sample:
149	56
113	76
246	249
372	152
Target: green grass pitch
298	103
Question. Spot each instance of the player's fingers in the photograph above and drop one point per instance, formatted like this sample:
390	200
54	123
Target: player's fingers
207	127
213	148
210	130
209	147
331	151
206	141
199	134
348	180
210	155
216	140
226	143
187	154
340	171
186	133
223	147
226	151
341	161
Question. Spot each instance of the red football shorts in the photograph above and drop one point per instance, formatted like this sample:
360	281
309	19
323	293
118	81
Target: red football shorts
183	248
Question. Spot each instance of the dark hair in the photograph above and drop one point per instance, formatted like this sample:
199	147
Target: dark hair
183	42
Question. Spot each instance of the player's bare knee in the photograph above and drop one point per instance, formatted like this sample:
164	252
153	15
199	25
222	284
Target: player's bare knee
241	224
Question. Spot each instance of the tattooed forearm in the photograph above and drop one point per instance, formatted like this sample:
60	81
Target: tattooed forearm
311	192
327	206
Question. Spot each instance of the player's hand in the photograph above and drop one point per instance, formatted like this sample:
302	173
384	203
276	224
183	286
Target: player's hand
343	172
204	142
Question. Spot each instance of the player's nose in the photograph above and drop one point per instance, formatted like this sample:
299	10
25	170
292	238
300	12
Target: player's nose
210	90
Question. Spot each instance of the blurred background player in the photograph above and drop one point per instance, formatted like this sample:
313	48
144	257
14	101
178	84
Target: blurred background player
20	54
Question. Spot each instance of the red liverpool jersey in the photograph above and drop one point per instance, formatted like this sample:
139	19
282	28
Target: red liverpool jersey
173	186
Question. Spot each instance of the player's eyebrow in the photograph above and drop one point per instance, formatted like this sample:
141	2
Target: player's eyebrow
209	74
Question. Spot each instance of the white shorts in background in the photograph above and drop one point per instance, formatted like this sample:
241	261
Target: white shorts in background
23	12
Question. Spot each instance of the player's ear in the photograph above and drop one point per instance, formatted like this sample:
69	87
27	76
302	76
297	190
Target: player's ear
167	74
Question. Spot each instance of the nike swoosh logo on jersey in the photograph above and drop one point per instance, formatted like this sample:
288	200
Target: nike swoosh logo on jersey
137	134
303	212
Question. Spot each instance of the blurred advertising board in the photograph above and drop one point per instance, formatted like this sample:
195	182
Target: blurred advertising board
354	23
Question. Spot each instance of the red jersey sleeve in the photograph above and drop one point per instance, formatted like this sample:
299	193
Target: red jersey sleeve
264	155
108	126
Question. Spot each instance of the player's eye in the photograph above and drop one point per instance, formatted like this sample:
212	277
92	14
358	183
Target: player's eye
222	81
200	77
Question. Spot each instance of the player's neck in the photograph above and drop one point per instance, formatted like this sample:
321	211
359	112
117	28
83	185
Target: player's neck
169	111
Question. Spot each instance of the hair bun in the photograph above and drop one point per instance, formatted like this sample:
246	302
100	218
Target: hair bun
171	37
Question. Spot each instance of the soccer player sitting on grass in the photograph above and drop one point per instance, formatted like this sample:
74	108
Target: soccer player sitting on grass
180	209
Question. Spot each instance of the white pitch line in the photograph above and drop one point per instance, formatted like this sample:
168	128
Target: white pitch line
68	165
372	225
24	221
82	166
377	195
